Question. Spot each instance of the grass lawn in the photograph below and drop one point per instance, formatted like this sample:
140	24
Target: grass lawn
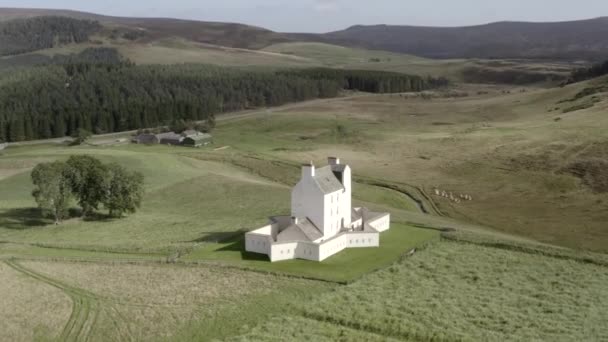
343	267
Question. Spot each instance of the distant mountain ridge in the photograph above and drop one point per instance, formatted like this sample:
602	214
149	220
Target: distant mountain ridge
582	39
569	40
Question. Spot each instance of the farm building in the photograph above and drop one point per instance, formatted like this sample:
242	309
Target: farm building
197	140
146	139
170	138
322	221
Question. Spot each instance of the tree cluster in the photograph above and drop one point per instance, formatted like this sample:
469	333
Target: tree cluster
583	74
91	183
371	81
98	55
55	101
31	34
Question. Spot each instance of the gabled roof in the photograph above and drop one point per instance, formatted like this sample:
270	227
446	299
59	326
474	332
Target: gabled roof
304	230
327	181
199	137
169	136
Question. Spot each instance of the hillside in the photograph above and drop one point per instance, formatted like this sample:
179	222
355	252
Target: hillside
573	40
224	34
458	70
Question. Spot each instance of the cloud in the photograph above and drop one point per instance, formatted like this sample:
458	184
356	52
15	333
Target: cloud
326	5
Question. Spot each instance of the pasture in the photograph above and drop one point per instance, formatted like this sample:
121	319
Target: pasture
453	291
176	270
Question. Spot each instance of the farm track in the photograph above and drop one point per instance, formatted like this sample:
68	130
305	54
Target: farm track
85	305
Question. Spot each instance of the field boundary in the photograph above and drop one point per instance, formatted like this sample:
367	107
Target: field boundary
528	249
84	249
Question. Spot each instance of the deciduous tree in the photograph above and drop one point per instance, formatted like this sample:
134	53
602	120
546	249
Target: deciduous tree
52	190
125	190
88	179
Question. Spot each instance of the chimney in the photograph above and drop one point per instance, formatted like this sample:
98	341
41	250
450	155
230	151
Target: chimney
308	170
295	220
333	161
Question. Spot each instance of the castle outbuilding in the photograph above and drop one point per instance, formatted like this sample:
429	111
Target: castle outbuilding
322	222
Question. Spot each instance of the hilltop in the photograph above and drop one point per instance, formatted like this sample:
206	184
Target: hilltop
573	40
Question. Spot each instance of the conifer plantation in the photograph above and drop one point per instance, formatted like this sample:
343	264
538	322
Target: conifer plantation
31	34
106	94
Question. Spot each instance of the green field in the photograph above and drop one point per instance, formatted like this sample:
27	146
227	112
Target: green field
523	262
344	267
462	292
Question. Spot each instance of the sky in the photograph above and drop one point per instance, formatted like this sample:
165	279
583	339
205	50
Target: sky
330	15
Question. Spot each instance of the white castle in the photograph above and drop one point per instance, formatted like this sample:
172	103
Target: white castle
322	221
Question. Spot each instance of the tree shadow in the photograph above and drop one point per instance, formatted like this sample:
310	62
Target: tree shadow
98	217
23	218
27	218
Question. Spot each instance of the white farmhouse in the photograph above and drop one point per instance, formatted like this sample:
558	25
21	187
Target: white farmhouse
322	221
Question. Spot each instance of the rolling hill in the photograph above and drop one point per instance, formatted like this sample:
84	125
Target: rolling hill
572	40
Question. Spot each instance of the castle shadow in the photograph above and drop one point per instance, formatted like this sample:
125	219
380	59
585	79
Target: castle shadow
236	244
221	237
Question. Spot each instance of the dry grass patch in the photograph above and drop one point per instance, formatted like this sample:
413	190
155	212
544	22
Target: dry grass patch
165	302
30	309
156	285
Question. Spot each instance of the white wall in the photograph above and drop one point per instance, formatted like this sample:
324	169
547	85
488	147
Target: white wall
307	201
332	218
346	197
294	250
381	223
331	247
258	243
362	240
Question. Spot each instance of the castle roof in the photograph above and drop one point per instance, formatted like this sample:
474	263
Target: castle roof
304	230
327	181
